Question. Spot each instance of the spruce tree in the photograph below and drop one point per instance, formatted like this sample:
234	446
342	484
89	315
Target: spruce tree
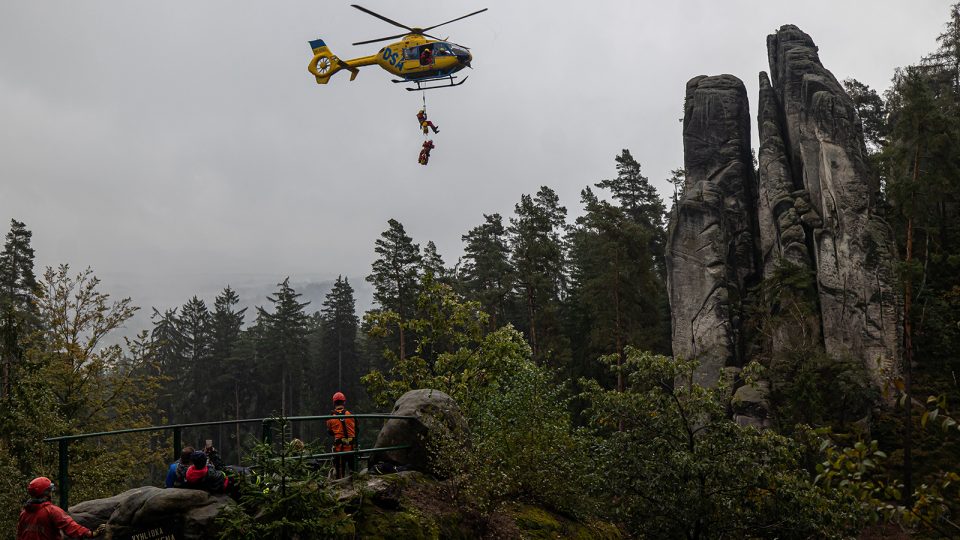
195	332
226	324
339	325
167	345
487	275
18	287
283	347
394	276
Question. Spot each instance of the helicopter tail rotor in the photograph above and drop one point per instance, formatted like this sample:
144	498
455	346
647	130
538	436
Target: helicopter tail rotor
324	63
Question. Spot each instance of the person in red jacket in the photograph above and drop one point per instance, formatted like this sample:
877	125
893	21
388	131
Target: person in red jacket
40	519
425	123
344	430
203	475
425	152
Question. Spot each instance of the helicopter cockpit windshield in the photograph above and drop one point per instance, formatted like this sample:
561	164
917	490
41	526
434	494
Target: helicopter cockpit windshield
442	49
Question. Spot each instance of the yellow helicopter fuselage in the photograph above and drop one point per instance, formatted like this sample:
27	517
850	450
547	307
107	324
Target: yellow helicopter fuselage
405	59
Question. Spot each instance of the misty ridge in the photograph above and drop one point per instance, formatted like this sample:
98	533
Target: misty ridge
172	290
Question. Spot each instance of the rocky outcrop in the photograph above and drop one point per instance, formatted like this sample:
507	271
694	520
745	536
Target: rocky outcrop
851	248
408	504
712	258
436	417
184	513
810	210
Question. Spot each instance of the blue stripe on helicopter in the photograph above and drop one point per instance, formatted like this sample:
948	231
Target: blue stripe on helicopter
317	43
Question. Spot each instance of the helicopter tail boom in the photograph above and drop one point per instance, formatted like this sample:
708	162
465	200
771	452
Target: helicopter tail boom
324	63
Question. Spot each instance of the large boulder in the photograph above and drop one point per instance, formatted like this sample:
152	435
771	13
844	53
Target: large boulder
712	255
185	513
436	416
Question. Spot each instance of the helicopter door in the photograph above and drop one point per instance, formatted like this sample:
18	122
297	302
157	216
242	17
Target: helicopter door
426	55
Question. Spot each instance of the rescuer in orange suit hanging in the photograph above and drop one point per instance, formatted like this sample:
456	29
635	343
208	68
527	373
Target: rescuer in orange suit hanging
344	430
40	519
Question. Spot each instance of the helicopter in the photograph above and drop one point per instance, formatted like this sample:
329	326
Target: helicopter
417	58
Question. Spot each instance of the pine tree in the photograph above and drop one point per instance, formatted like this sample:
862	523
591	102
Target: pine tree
432	262
872	111
394	276
17	306
283	347
922	163
538	255
487	275
945	61
640	200
615	290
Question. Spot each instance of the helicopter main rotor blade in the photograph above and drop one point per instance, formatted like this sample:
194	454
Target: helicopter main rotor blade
381	17
451	20
379	39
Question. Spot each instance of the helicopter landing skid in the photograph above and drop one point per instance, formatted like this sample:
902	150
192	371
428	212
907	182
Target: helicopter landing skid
420	86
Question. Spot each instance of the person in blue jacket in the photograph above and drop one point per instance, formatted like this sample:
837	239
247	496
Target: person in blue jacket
177	473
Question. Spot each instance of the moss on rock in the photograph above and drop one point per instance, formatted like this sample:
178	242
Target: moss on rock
538	523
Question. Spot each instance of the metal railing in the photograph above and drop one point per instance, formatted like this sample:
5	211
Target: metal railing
266	435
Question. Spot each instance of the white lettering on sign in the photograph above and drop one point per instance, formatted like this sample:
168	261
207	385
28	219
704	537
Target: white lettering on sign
154	534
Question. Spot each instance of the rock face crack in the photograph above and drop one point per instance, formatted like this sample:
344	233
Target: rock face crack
811	208
713	255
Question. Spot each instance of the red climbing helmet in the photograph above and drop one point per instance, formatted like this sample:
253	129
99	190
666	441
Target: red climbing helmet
339	397
38	487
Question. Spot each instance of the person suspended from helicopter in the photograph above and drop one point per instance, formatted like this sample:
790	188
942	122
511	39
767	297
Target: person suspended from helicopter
425	123
425	152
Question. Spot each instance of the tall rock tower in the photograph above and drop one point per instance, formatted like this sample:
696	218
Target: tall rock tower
712	258
811	208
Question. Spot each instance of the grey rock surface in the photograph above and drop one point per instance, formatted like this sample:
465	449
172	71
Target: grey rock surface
751	405
436	415
851	248
811	207
140	509
712	257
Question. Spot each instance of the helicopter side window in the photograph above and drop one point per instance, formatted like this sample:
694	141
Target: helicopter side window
411	53
441	49
426	55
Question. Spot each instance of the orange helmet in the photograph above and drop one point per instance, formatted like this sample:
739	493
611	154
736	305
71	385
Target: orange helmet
39	486
339	397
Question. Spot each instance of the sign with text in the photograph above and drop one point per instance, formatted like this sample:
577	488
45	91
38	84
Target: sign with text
166	531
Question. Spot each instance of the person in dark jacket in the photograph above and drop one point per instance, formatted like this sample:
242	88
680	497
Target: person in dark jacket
177	473
203	476
40	519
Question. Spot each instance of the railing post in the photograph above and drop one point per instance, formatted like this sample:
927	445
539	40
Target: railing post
267	432
356	439
177	443
64	474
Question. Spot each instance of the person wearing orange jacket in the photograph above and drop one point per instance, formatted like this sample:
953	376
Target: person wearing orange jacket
344	430
40	519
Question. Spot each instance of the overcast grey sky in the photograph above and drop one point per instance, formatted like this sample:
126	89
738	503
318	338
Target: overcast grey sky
175	146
